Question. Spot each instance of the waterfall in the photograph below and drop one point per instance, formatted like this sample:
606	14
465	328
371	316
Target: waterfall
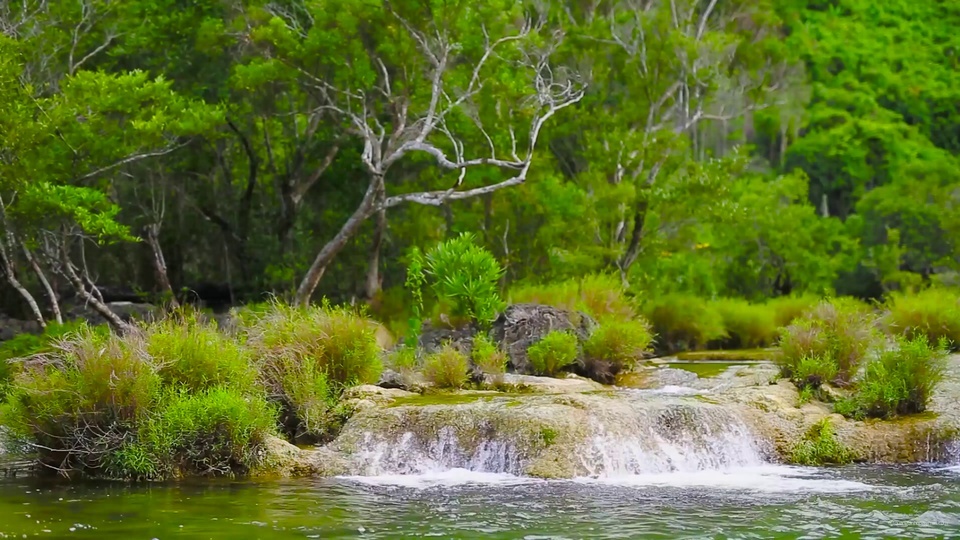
673	440
622	436
410	454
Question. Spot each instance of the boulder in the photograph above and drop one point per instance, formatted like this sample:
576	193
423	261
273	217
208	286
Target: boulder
522	325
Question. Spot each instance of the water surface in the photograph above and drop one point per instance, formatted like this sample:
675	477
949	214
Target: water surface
759	502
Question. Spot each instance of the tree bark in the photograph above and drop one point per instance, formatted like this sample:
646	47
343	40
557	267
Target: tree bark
92	299
374	281
160	264
15	283
633	248
42	276
367	208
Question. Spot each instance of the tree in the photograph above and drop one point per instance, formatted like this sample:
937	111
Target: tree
417	80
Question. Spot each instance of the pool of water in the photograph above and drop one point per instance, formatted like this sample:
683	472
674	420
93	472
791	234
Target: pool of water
764	502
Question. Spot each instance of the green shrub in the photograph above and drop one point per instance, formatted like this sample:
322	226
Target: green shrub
819	446
599	295
464	278
835	333
747	326
404	359
683	322
786	309
487	356
25	345
447	368
900	380
614	347
79	403
308	356
194	354
811	372
554	352
933	313
218	431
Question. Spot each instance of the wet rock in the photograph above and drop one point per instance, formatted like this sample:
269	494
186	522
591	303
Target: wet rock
570	384
433	338
392	379
282	459
522	325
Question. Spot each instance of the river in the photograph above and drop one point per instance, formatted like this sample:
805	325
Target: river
770	501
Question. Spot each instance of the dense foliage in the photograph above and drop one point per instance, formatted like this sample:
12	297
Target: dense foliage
721	149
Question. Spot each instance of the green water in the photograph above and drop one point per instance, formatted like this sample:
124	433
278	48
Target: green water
705	370
902	503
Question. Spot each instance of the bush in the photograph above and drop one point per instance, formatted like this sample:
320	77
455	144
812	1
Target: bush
25	345
79	403
464	278
819	446
554	352
599	295
193	354
308	356
447	368
933	313
683	322
834	333
786	309
614	347
747	326
218	431
899	381
487	356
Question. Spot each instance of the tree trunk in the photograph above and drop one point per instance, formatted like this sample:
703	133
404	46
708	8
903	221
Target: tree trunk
363	212
160	264
51	294
103	309
633	248
374	281
15	283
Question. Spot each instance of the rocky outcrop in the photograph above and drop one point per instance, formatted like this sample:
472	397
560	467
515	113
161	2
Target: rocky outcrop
522	325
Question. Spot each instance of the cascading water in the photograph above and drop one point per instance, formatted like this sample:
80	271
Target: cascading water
673	439
410	454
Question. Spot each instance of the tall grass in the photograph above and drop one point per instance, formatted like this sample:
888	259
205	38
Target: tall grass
933	313
900	380
614	347
837	334
787	309
488	357
307	356
599	295
747	325
683	322
134	407
447	368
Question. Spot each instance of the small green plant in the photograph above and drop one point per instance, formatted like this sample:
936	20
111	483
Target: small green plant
747	325
933	313
683	322
548	435
837	334
404	359
488	357
614	347
554	352
819	446
811	372
416	278
447	368
464	278
899	381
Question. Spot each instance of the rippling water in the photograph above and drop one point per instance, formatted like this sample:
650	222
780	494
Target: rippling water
762	502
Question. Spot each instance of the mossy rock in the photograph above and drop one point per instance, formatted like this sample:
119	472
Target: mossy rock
745	355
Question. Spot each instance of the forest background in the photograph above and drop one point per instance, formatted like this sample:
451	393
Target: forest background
230	150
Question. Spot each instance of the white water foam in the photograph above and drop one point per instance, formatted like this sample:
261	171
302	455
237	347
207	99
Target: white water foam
644	445
410	455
